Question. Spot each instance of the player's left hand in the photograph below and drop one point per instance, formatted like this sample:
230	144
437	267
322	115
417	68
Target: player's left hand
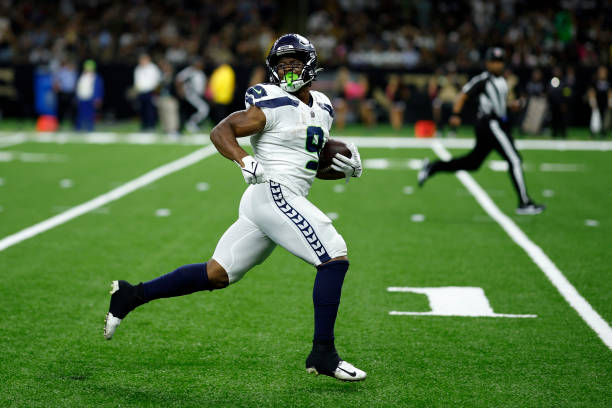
350	166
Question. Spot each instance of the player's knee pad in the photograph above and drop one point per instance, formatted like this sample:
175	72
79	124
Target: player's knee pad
337	247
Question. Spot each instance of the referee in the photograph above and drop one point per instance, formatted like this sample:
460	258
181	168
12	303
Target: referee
492	130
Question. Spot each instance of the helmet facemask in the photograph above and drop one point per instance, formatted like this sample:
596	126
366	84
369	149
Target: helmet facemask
295	74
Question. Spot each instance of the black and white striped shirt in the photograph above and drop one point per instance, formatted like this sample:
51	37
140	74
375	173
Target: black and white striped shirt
492	92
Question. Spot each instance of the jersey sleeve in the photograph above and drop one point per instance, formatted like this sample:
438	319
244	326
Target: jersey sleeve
268	98
328	107
475	85
323	101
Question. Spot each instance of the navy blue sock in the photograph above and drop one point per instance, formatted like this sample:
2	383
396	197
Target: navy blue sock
326	299
183	281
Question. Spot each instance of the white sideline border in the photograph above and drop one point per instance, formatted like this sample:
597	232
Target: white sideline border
461	143
106	198
12	140
546	265
374	142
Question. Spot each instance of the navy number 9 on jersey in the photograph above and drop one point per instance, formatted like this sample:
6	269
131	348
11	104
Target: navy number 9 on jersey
314	144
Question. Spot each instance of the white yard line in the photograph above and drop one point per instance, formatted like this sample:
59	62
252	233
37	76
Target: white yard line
559	281
106	198
360	141
12	140
460	143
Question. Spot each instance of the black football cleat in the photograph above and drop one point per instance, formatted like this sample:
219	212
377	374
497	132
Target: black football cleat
424	172
324	359
124	299
530	208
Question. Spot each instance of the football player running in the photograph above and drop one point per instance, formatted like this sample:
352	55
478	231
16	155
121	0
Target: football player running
288	124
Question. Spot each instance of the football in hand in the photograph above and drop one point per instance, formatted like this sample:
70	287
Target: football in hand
328	152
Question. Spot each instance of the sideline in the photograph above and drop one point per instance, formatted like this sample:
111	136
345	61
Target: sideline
12	140
360	141
106	198
460	143
559	281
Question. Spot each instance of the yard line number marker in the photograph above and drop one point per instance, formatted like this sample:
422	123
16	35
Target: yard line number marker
565	288
106	198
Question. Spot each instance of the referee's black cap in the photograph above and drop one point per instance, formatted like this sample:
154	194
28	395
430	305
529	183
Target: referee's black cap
495	54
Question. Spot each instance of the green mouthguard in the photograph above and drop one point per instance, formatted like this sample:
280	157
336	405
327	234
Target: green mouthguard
290	77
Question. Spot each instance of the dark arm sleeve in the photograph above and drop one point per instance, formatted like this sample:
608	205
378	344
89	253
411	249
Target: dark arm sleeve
475	86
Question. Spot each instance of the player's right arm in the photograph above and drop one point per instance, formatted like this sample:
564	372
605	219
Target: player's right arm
240	124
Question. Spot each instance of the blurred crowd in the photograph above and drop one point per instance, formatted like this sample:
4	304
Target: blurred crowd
374	51
393	33
114	30
177	100
550	99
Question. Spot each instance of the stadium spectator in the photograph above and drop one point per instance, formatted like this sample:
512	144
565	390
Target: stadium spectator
396	92
443	90
352	101
574	100
222	87
514	97
537	104
390	35
167	105
536	86
190	86
393	100
64	85
7	38
558	100
90	93
147	77
600	100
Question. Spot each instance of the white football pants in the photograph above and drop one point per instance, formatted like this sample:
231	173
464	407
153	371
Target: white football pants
271	215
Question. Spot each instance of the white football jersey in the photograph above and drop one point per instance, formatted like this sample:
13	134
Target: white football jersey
289	145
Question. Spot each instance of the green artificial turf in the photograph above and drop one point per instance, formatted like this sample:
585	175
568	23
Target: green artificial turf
245	346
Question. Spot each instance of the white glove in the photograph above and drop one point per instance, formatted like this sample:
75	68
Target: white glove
252	171
351	167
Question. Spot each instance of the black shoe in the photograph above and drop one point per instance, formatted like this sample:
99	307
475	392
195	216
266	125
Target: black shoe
530	208
124	299
424	172
324	359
